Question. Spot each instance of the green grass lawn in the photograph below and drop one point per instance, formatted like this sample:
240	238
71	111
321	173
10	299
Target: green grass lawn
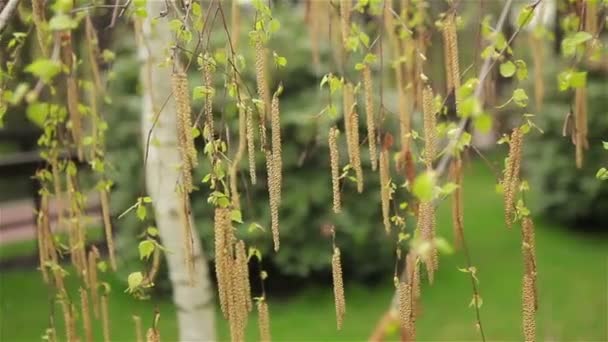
572	287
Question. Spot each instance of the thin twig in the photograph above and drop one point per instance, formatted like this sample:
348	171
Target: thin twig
7	13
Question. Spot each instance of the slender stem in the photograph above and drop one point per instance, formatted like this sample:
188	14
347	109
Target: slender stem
7	12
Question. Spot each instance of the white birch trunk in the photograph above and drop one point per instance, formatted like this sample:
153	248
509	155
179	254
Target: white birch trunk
194	304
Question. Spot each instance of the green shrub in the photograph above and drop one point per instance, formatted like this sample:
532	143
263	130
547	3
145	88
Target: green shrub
563	192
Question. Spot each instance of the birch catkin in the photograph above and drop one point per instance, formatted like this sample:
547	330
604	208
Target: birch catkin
528	311
430	122
510	180
340	302
243	269
404	291
223	243
86	316
263	320
262	83
335	168
186	148
42	230
208	107
580	124
450	40
345	8
250	144
238	156
426	224
274	201
277	161
351	126
371	120
67	56
139	335
93	281
529	254
385	189
105	318
107	223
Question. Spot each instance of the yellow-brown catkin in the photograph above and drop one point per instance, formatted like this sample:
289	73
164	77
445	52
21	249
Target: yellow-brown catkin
345	8
315	22
86	316
105	318
334	159
430	123
340	303
93	47
457	217
93	281
237	301
277	161
528	311
208	106
426	224
223	255
351	126
241	257
235	24
251	144
39	21
179	81
371	119
153	335
538	58
67	57
185	218
385	189
238	156
139	334
580	124
263	320
262	82
413	274
274	201
450	40
68	318
529	254
510	180
42	230
591	17
404	291
107	223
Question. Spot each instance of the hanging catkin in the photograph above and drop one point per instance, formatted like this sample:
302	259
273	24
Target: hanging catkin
340	303
591	17
105	318
68	318
107	223
186	148
314	22
277	161
238	156
42	230
250	144
262	85
529	254
450	41
510	180
139	335
153	335
457	217
404	291
235	24
528	311
334	159
241	262
93	281
413	274
237	295
263	320
93	47
426	224
39	20
67	57
274	201
208	83
538	58
369	111
351	126
580	124
385	189
223	254
345	8
430	122
86	316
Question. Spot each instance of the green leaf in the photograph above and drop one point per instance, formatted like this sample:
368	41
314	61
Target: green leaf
578	79
423	186
525	16
522	70
45	69
141	212
147	199
146	248
134	280
605	145
520	97
602	174
236	216
152	231
483	123
37	113
62	22
507	69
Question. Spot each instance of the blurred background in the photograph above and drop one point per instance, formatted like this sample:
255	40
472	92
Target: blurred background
570	206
